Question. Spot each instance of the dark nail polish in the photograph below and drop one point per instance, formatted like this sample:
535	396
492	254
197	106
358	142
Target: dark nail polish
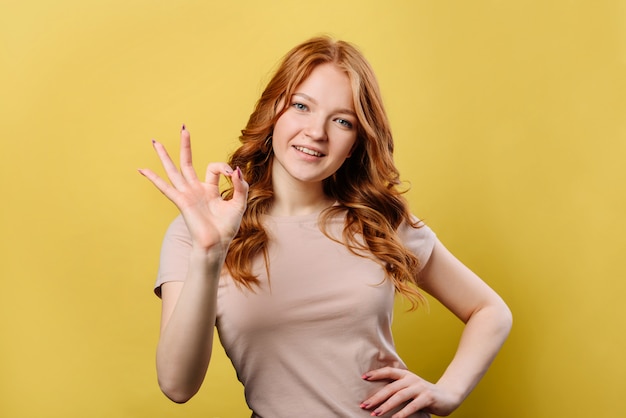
183	128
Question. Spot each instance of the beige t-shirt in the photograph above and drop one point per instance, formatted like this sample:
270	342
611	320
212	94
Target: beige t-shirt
301	342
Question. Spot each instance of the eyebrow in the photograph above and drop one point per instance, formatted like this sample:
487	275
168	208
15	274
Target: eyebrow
312	100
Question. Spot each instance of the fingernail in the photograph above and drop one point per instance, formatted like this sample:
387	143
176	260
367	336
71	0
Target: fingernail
239	173
364	405
229	171
366	376
183	128
140	171
153	141
376	413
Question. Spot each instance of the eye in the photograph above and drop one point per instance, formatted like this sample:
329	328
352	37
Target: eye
300	106
344	123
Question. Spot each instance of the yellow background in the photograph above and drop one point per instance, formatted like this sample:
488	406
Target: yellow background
510	124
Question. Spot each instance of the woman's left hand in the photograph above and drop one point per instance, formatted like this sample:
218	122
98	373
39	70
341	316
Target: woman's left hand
407	388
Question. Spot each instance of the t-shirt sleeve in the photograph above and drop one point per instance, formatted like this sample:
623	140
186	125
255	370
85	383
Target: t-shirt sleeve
175	250
420	241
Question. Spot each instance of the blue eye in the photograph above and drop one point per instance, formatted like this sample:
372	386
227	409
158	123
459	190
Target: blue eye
300	106
345	123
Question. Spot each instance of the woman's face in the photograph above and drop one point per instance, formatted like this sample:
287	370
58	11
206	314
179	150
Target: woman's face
318	131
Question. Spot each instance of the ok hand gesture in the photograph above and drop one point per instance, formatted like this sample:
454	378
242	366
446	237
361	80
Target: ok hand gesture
211	220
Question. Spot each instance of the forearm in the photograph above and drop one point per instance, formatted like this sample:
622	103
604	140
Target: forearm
482	338
186	340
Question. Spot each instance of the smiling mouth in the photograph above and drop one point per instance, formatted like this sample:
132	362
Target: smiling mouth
309	151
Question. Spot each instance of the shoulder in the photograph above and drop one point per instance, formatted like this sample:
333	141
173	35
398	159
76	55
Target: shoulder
177	241
418	237
178	229
175	250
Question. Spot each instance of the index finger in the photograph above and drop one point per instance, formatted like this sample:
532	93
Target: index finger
384	373
186	163
214	170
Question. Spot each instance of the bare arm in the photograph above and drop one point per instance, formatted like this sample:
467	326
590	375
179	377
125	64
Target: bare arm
488	322
189	307
487	319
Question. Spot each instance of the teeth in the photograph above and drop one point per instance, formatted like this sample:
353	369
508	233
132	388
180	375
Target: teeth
309	151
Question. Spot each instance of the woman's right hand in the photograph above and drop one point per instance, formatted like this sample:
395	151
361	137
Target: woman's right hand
211	220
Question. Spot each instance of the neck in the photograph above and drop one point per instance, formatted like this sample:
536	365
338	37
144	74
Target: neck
293	198
295	206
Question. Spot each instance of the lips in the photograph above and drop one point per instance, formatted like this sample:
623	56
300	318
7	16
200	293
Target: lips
309	151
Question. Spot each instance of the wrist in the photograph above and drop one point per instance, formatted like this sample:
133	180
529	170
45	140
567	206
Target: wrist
211	257
455	391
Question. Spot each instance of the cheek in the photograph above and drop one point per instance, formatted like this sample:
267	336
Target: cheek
349	146
283	127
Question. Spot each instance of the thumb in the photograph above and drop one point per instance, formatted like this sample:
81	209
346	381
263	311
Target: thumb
240	188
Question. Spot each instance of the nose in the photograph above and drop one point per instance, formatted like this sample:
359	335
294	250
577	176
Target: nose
316	128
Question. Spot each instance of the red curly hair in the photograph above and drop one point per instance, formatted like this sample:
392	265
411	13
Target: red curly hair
366	186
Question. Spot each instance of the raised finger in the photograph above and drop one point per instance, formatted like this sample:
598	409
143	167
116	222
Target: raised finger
160	184
186	164
170	168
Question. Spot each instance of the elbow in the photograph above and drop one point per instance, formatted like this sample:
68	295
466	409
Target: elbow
177	397
175	392
179	383
506	318
496	317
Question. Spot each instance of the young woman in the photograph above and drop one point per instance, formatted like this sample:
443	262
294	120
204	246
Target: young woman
298	262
